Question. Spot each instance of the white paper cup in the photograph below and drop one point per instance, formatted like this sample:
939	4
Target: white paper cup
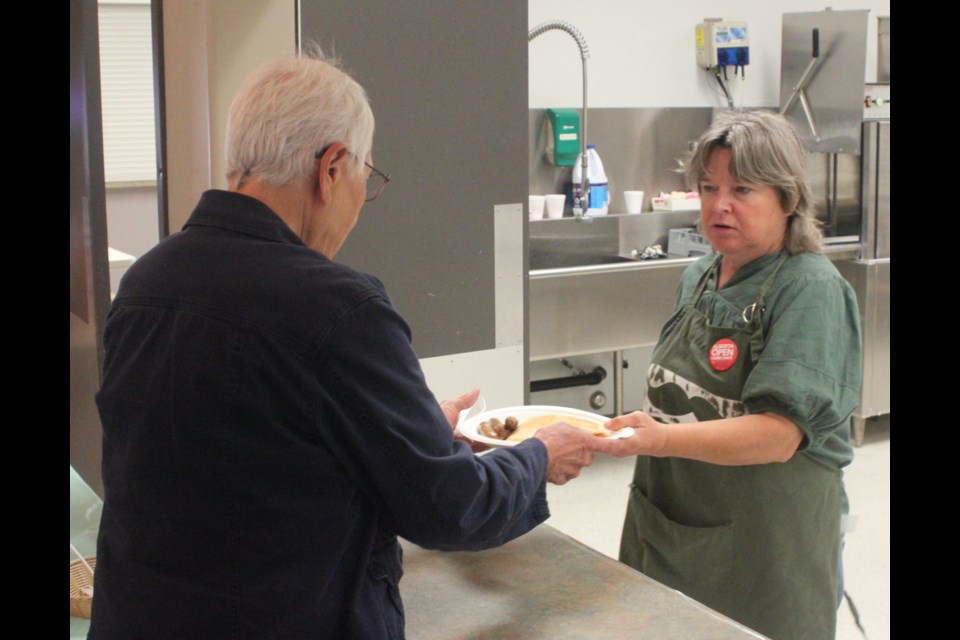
536	207
555	203
634	201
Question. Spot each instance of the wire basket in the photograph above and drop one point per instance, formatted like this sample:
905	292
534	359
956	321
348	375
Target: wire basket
81	587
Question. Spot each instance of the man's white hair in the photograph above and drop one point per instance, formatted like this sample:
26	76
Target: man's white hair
286	111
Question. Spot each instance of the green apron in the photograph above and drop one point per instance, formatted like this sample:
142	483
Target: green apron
757	543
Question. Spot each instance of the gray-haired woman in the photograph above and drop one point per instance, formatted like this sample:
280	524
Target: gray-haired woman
738	490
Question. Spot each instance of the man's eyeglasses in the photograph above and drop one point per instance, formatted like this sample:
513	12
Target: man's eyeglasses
376	180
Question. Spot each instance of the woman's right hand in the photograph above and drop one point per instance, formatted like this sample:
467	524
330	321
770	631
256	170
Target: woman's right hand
748	439
649	436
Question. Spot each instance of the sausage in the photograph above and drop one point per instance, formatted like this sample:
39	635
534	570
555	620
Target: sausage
487	429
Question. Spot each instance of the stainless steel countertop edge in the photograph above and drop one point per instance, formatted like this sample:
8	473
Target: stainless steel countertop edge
605	268
839	251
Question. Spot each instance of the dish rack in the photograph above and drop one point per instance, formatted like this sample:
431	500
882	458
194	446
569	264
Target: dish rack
687	243
81	586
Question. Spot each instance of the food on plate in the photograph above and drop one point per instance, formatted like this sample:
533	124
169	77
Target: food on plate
494	428
528	427
500	426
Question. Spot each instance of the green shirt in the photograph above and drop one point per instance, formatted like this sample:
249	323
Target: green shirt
810	370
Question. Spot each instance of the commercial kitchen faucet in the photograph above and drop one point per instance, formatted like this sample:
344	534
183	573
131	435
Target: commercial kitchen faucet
584	54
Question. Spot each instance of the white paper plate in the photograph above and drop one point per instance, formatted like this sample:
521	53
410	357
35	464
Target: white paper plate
470	427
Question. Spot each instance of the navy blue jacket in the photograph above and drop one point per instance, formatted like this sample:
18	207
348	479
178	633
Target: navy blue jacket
267	435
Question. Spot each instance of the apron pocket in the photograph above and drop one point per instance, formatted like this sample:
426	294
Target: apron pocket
697	561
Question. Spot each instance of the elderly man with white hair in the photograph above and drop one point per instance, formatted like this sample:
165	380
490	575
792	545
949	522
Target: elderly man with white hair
268	432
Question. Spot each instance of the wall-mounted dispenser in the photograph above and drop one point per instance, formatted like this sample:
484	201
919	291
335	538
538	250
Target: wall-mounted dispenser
722	44
562	133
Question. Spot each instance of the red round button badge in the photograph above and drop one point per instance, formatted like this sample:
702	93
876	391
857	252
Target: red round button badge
723	354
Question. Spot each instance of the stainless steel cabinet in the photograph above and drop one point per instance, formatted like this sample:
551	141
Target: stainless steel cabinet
870	275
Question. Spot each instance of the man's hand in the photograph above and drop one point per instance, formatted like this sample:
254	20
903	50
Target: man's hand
569	450
452	408
451	411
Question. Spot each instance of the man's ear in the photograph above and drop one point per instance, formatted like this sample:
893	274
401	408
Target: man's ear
332	167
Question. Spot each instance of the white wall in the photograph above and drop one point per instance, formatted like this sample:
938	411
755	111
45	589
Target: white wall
209	46
643	54
133	224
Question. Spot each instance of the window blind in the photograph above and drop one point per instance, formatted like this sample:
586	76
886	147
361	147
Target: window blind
126	85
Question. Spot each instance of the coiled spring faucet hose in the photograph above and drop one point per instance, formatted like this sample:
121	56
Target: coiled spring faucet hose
561	25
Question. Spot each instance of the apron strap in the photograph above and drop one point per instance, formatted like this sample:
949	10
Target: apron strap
705	278
753	313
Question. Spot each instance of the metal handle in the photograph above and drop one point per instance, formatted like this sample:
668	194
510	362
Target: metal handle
579	380
798	89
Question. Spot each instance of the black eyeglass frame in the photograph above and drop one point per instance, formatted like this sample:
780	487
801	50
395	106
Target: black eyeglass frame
385	177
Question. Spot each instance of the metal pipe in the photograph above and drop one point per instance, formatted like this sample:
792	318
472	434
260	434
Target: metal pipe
584	54
579	380
618	383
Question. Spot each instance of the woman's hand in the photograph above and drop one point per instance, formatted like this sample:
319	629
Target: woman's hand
649	437
749	439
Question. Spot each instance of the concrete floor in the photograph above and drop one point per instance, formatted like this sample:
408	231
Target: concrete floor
604	487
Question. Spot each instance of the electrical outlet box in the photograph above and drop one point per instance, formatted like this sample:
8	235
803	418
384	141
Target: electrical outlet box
722	44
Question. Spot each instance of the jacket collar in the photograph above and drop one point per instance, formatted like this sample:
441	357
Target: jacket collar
241	213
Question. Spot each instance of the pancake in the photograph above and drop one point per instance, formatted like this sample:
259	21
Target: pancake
530	426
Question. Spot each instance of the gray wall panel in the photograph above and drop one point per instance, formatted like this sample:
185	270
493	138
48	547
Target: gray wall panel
448	86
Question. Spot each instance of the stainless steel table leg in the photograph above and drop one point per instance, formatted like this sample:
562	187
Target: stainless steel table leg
859	427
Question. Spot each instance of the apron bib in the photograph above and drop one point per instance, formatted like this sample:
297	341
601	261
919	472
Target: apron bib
757	543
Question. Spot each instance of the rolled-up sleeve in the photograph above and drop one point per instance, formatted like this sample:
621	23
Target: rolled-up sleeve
810	369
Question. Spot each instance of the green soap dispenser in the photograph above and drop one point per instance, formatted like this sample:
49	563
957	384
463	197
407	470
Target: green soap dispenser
562	136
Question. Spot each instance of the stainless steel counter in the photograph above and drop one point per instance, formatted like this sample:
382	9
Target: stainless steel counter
613	306
870	280
608	303
601	308
546	585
